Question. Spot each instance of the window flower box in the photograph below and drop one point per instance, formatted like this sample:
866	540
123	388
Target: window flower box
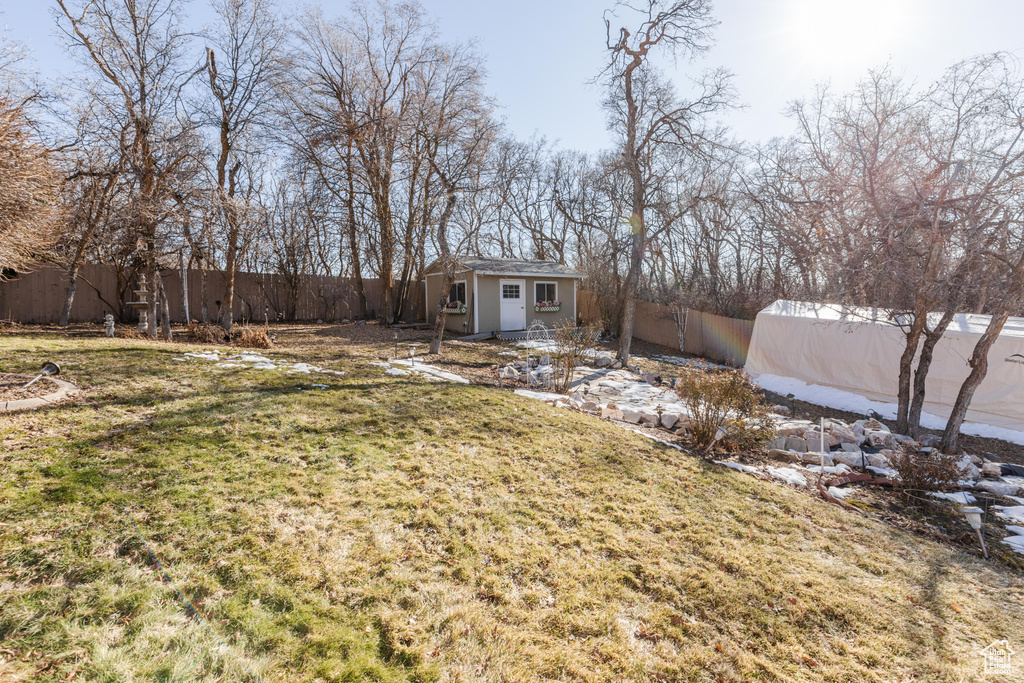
547	306
455	308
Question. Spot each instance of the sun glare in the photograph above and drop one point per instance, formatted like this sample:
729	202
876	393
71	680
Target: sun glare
827	34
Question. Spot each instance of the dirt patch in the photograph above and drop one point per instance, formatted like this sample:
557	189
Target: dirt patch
12	387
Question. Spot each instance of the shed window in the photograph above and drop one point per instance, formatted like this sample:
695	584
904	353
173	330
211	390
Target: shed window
457	294
546	292
509	291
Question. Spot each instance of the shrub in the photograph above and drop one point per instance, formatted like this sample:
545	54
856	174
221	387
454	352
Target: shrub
725	400
204	333
933	472
252	338
572	344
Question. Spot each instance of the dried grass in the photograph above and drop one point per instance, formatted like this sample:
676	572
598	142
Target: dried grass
251	337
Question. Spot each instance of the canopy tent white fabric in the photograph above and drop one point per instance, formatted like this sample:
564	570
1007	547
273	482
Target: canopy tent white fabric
858	350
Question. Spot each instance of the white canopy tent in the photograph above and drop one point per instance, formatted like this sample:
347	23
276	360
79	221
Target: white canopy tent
858	350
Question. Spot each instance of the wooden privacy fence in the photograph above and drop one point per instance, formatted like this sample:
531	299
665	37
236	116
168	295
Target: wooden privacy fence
38	297
722	339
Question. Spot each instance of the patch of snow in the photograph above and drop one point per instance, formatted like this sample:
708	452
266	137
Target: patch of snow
736	466
839	493
855	403
1016	530
398	372
960	497
230	365
841	468
181	359
430	370
1010	514
319	386
886	472
1016	499
210	355
540	395
508	353
787	474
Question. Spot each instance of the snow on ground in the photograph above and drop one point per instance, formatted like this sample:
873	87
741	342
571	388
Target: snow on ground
409	366
1010	514
960	498
787	474
855	403
252	361
839	493
737	466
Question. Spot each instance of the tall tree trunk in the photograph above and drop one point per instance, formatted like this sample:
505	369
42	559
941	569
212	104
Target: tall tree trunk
449	266
931	338
913	337
184	287
979	368
165	310
203	295
69	297
353	239
151	297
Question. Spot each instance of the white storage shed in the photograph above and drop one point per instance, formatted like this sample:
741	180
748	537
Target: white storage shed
858	350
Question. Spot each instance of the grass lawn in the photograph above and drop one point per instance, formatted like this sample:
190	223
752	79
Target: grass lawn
185	522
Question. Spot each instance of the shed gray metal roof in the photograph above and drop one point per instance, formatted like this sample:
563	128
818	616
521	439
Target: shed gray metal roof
511	266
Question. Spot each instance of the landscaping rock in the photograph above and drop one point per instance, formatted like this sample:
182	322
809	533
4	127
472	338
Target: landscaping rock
999	488
796	443
781	410
778	442
649	419
668	420
991	469
850	458
930	440
783	455
843	435
545	360
878	460
816	458
603	360
873	425
813	439
631	416
590	407
509	373
850	447
611	412
879	438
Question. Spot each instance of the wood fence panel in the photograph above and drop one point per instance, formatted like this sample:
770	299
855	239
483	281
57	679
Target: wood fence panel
38	297
715	337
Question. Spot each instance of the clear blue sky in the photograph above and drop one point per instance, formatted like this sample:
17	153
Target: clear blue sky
541	53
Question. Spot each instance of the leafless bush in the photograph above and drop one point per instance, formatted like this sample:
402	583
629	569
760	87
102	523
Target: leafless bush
572	344
926	472
725	400
252	338
205	333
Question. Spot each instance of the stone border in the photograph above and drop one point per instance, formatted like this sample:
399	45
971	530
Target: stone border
64	390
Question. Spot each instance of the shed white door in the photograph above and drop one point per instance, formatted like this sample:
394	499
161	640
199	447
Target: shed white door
513	304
